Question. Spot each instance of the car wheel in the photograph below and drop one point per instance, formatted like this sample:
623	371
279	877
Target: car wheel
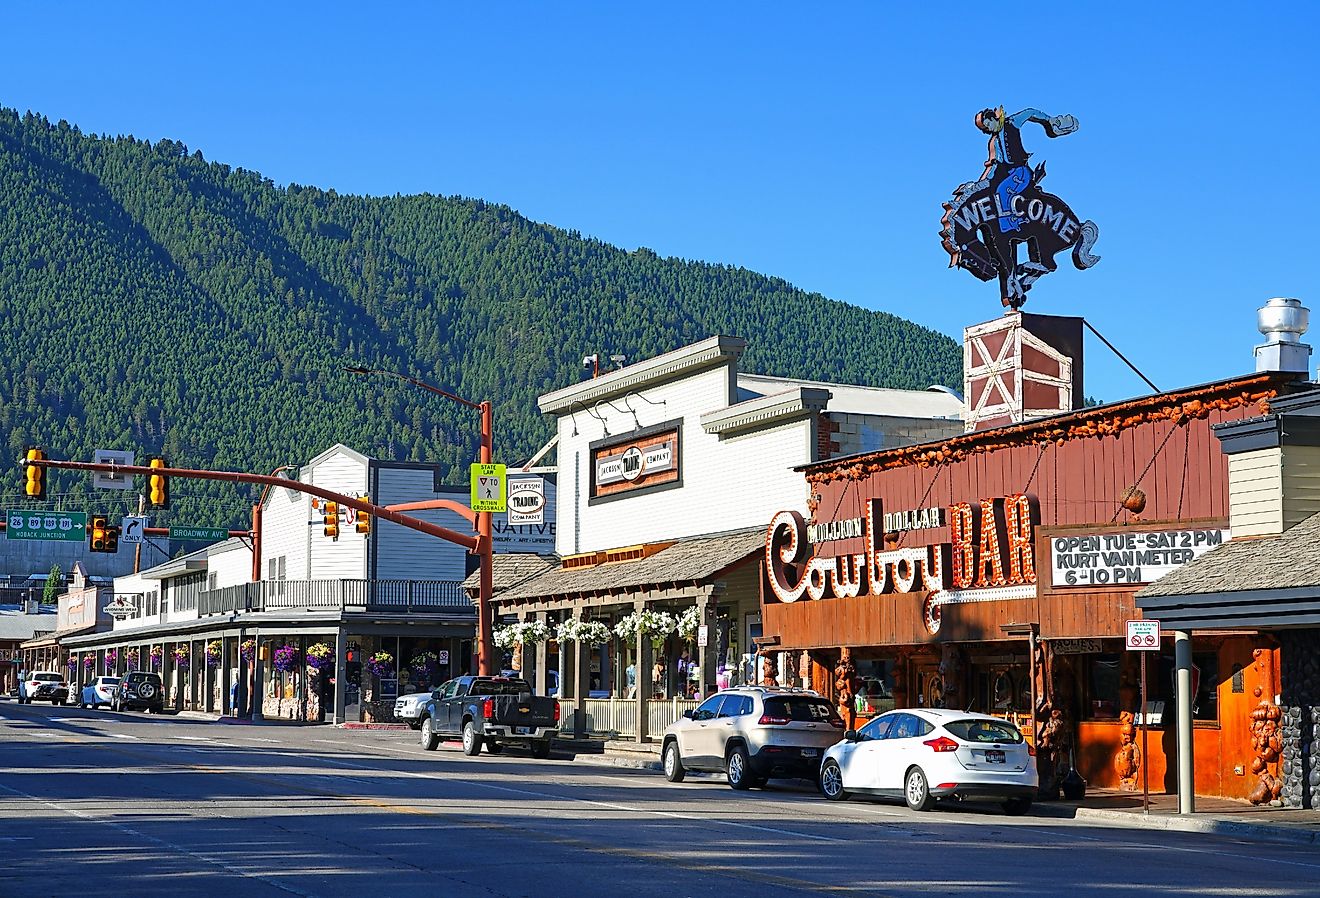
673	763
738	768
471	741
541	748
916	791
430	741
831	782
1016	807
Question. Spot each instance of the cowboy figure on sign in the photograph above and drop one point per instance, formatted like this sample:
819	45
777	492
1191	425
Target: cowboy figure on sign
988	220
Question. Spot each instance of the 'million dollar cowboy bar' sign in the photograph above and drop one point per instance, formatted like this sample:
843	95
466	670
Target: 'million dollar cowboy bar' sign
990	546
990	219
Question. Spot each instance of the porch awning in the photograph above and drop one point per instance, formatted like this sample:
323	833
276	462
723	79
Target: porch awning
687	561
1267	582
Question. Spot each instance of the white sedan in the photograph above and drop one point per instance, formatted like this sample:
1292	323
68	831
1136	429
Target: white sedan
921	754
100	691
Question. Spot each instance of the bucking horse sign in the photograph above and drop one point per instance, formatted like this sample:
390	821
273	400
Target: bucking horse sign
988	220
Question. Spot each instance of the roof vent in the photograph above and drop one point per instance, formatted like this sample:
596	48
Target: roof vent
1283	320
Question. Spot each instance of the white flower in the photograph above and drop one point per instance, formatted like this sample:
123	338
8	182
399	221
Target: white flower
688	622
522	633
592	632
653	624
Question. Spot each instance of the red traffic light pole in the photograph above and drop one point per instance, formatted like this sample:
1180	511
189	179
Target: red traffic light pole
485	549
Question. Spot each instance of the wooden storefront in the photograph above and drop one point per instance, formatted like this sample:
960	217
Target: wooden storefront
939	574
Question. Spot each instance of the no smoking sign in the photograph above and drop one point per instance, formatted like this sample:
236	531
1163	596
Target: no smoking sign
1143	635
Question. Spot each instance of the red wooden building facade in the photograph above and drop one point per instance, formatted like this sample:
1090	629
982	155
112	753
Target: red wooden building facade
994	571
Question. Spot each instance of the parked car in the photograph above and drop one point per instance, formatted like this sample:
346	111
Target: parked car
139	690
490	711
752	733
921	754
43	686
408	708
100	691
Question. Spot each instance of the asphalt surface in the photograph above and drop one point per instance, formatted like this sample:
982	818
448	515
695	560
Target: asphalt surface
95	803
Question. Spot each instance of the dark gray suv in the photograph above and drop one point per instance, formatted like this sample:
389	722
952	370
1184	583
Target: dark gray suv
753	733
139	690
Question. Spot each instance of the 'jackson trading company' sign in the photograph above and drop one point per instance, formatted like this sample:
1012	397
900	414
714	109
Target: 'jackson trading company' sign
1128	557
990	546
645	460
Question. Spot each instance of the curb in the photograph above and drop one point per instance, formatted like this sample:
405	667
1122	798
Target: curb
372	726
1264	832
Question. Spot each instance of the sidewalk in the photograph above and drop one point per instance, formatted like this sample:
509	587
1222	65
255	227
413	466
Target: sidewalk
1220	816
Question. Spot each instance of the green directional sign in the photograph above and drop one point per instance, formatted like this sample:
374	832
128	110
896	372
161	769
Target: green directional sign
64	526
203	534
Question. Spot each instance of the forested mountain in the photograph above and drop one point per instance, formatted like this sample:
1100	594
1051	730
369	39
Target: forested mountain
158	302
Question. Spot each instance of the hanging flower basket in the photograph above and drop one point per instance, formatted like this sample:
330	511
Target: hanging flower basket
592	632
688	622
320	657
213	650
155	655
131	658
654	625
381	665
286	658
424	665
89	661
248	650
522	633
111	658
73	663
181	656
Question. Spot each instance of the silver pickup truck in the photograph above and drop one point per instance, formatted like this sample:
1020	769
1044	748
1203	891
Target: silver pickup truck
408	708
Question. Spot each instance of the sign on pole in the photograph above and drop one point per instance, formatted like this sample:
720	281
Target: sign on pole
106	481
703	635
201	534
132	529
526	500
46	525
489	488
1143	635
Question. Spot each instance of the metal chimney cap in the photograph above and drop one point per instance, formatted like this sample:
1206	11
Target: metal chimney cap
1283	319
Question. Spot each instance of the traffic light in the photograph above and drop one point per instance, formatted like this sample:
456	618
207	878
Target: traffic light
112	538
331	520
158	485
363	519
101	535
35	485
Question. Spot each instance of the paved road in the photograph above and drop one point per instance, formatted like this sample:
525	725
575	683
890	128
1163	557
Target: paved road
95	803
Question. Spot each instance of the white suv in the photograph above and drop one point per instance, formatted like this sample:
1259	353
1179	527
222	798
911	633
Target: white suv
753	733
43	686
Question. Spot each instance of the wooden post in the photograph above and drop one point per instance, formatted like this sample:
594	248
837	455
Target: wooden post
1145	756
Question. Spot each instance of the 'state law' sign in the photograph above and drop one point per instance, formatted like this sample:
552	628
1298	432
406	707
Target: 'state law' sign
1127	557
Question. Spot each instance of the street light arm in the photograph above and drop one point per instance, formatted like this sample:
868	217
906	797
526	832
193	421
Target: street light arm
358	369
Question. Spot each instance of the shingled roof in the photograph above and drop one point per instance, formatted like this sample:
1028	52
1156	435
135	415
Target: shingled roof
686	561
508	569
1289	560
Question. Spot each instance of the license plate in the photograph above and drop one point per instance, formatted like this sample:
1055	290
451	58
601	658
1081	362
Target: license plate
522	731
810	752
994	756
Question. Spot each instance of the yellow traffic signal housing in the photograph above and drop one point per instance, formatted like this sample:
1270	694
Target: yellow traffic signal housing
35	479
158	485
363	524
331	520
101	535
112	538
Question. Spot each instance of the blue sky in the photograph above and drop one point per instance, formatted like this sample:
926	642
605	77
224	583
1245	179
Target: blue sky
811	142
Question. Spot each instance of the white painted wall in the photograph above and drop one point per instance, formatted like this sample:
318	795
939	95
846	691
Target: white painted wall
405	554
728	483
344	558
230	567
285	531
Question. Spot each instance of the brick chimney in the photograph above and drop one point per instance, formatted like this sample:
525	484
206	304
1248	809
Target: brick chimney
1021	366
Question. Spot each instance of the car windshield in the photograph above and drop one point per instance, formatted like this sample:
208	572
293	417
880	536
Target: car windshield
499	687
984	731
799	707
48	677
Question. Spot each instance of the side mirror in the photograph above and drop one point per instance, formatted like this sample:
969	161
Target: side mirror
688	713
851	736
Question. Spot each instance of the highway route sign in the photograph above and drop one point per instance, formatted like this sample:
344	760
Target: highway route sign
62	526
132	529
489	488
1143	635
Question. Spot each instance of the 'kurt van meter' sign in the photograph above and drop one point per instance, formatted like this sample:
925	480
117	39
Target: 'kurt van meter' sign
1105	559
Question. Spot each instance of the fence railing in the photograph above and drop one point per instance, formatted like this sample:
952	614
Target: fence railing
618	716
333	595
